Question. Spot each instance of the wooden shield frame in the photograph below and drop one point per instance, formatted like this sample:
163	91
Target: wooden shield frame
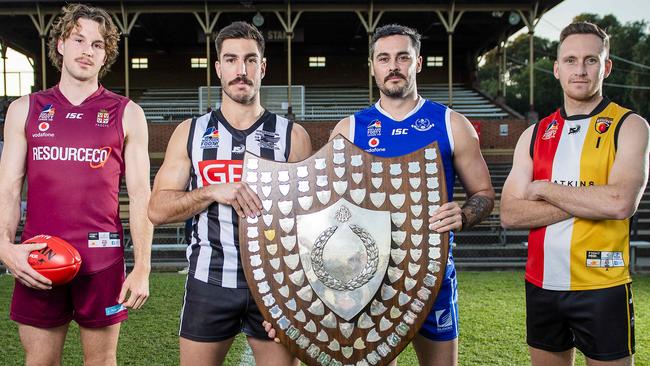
414	187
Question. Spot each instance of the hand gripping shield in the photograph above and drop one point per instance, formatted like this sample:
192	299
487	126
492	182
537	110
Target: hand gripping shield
341	260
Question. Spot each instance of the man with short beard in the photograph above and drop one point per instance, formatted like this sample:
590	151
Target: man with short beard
206	155
577	177
402	122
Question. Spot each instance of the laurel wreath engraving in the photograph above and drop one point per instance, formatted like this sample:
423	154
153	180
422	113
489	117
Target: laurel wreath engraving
366	274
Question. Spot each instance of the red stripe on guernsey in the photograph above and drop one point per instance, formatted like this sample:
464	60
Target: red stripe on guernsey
546	142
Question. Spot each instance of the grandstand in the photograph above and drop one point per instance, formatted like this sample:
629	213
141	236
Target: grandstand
320	103
170	38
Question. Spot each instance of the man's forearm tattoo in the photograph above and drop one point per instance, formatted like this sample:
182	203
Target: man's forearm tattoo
476	209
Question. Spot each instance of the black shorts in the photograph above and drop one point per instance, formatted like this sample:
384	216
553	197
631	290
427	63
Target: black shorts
600	323
213	313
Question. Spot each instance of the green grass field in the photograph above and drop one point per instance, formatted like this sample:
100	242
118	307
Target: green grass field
492	324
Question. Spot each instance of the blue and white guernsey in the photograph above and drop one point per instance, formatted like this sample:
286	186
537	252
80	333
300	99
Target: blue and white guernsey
377	132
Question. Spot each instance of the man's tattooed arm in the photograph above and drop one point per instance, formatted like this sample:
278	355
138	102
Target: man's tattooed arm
477	208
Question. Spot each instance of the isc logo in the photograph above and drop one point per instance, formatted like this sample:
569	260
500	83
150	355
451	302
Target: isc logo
220	171
74	115
400	131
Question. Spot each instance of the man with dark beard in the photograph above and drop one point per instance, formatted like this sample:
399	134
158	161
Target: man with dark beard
402	122
205	157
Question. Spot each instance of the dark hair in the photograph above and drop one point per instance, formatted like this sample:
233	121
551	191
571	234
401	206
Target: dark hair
240	30
69	19
395	29
584	28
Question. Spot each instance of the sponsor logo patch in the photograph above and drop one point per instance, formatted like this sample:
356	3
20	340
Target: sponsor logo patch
220	171
103	240
574	130
43	126
443	318
96	158
598	259
210	139
73	115
239	149
374	128
373	142
550	131
47	114
112	310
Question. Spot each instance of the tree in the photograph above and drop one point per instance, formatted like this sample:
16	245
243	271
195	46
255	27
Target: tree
629	41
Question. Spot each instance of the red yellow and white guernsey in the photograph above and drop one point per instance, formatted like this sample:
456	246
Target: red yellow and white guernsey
578	254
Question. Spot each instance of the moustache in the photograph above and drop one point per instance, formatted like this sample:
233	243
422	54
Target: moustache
241	79
85	60
393	74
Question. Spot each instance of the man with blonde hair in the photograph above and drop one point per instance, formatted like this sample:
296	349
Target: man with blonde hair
577	177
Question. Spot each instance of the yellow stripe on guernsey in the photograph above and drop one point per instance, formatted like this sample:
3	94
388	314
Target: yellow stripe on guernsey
598	252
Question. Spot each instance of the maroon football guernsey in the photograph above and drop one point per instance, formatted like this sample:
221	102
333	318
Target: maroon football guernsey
74	167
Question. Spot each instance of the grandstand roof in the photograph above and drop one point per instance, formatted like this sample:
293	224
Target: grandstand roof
166	25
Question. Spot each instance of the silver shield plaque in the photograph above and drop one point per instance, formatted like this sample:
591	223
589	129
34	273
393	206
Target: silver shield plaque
342	262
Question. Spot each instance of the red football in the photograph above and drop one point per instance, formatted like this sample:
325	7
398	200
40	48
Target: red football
59	260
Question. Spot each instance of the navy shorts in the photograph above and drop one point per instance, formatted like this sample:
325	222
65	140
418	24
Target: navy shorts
213	313
600	323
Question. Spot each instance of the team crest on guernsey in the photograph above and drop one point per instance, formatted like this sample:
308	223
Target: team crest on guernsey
267	139
47	114
102	117
374	128
422	124
210	139
550	131
602	124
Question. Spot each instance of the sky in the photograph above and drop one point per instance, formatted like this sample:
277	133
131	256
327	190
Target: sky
548	27
560	16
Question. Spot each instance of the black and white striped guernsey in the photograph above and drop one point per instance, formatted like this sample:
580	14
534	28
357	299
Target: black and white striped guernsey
216	150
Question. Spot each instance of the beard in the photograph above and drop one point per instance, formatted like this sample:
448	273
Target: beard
241	97
395	91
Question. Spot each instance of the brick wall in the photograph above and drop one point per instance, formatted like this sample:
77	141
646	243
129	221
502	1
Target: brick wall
497	148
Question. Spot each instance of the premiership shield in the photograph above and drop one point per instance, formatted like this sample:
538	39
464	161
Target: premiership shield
341	260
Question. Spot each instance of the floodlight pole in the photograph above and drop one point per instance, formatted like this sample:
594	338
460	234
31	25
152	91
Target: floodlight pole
3	53
531	22
450	24
289	26
43	27
207	24
370	25
504	61
125	26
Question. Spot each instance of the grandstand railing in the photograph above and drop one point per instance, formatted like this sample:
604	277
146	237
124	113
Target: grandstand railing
273	97
308	104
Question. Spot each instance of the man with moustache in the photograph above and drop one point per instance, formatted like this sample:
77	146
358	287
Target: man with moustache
206	154
577	177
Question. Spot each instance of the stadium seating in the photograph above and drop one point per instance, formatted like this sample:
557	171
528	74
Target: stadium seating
321	103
